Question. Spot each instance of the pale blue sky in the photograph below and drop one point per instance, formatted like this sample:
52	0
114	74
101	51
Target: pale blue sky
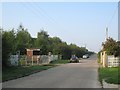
80	22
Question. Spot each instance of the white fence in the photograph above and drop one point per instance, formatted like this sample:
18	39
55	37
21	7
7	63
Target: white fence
109	60
44	59
113	61
13	60
54	57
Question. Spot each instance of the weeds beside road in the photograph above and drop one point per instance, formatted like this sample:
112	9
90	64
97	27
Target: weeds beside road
21	71
17	72
60	62
110	75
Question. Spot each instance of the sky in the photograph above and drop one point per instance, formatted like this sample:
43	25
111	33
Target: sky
80	23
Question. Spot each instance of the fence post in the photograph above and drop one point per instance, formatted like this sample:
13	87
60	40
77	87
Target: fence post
32	60
49	57
38	58
101	57
104	59
26	60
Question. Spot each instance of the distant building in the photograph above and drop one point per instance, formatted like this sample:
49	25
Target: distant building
31	52
33	56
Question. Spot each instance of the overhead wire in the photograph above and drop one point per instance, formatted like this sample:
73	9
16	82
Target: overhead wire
111	20
113	15
33	10
45	14
39	9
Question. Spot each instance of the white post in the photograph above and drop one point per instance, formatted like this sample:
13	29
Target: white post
101	57
49	57
32	60
104	59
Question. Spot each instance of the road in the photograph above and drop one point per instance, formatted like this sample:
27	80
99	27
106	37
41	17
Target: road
72	75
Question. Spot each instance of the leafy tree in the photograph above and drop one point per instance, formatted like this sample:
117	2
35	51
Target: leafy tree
78	51
32	43
117	49
19	41
53	45
42	42
64	50
8	41
23	40
56	40
110	46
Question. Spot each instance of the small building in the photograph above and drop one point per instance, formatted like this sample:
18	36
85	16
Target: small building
33	56
109	60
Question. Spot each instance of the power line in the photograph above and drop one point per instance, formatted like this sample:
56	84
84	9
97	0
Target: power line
30	9
33	10
38	11
115	11
111	19
45	13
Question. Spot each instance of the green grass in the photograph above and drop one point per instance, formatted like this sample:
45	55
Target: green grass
17	72
110	75
60	62
98	60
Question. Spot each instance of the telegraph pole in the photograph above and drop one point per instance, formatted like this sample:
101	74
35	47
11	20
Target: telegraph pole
85	45
106	33
118	21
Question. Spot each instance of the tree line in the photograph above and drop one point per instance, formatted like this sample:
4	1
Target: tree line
20	39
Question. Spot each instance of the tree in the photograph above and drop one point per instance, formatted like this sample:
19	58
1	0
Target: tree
32	43
117	49
20	40
110	46
78	51
8	41
23	40
64	50
53	44
42	42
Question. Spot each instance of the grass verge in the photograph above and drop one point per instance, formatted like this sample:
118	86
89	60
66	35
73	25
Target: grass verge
60	61
110	75
17	72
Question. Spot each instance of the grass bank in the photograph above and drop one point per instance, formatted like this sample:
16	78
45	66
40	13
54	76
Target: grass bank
60	62
110	75
17	72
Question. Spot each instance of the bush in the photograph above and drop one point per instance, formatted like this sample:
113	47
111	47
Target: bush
22	62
